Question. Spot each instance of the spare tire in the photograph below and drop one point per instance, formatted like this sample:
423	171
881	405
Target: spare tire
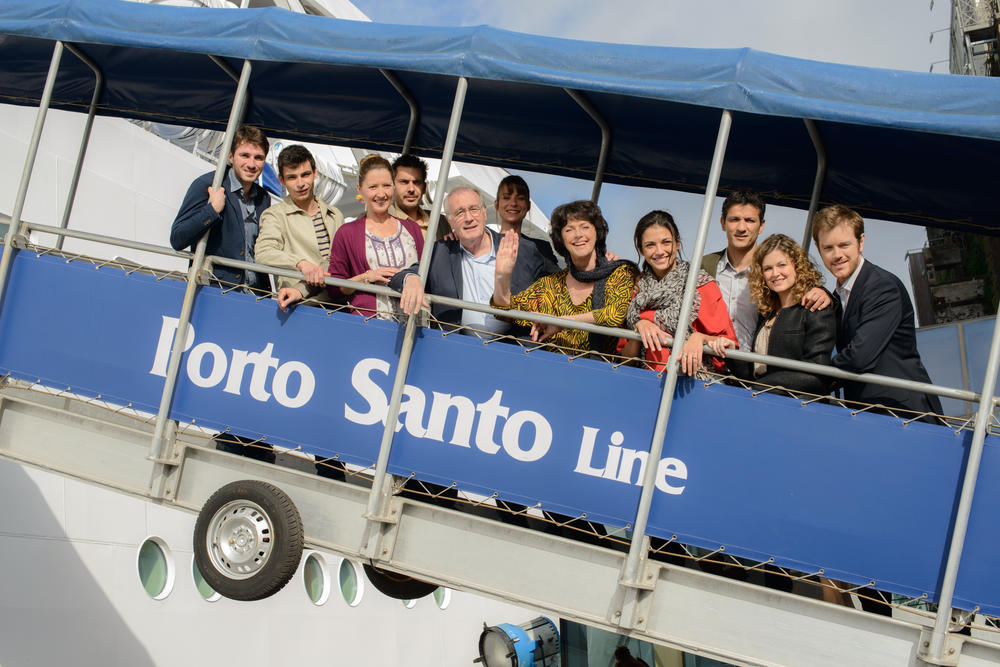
248	540
398	586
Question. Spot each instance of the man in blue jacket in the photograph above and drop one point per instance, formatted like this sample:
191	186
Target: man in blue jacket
876	333
231	216
231	213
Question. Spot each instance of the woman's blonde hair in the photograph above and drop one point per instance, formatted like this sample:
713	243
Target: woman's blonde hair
806	275
369	162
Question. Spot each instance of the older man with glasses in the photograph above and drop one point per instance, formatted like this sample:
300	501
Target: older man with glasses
463	268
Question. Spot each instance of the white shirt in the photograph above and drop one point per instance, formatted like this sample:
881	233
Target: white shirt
477	286
735	288
844	291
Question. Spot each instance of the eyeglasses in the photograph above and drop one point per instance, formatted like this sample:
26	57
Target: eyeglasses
472	210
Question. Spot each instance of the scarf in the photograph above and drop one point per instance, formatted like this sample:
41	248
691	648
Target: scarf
598	275
664	296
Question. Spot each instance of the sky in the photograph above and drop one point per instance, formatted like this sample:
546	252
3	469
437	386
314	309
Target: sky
892	34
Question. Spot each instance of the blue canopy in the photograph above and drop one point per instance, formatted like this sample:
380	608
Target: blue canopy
905	146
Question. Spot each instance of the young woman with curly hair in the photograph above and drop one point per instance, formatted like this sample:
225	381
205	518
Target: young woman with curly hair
780	275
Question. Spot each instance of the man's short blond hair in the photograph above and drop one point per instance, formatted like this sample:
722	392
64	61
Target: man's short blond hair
831	216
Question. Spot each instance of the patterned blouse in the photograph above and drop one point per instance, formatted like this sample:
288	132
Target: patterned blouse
398	251
549	295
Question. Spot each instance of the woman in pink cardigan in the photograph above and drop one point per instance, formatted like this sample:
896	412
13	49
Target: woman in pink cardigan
374	247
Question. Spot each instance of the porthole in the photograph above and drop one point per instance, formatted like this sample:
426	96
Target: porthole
155	566
316	578
351	585
204	590
442	597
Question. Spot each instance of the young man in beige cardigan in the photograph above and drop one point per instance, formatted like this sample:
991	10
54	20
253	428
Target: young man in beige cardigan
296	232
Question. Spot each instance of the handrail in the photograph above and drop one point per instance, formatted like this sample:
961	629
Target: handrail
542	318
108	240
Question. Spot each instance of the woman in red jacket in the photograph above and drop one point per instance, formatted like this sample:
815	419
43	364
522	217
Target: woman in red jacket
656	306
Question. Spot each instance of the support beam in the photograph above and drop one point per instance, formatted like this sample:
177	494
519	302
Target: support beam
935	652
160	440
380	492
85	140
29	166
602	160
411	101
631	576
818	182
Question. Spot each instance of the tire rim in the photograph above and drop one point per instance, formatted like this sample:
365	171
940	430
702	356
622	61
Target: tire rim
240	539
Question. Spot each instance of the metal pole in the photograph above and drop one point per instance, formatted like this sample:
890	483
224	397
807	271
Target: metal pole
411	101
602	160
173	365
964	359
817	182
378	496
29	165
630	575
983	416
84	141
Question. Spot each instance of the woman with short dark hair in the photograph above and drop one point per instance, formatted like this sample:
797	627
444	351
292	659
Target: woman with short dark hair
591	289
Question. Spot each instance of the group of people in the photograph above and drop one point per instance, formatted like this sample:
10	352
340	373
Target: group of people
757	294
762	295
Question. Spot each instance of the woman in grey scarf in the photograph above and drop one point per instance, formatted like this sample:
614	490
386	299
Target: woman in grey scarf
656	306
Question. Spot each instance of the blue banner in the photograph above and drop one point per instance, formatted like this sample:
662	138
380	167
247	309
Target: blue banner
862	497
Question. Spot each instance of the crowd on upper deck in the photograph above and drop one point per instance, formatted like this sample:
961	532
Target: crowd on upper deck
757	294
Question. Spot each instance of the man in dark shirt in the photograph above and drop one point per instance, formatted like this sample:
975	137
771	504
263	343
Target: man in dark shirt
231	216
230	213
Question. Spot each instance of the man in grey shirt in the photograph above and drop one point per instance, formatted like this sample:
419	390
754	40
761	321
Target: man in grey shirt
743	221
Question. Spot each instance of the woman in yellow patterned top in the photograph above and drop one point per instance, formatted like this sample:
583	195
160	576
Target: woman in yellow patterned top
591	289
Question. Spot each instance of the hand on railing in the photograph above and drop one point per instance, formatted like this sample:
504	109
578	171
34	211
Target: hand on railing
412	298
313	274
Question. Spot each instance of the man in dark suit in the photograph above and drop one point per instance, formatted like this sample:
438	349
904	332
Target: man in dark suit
876	333
230	213
464	268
